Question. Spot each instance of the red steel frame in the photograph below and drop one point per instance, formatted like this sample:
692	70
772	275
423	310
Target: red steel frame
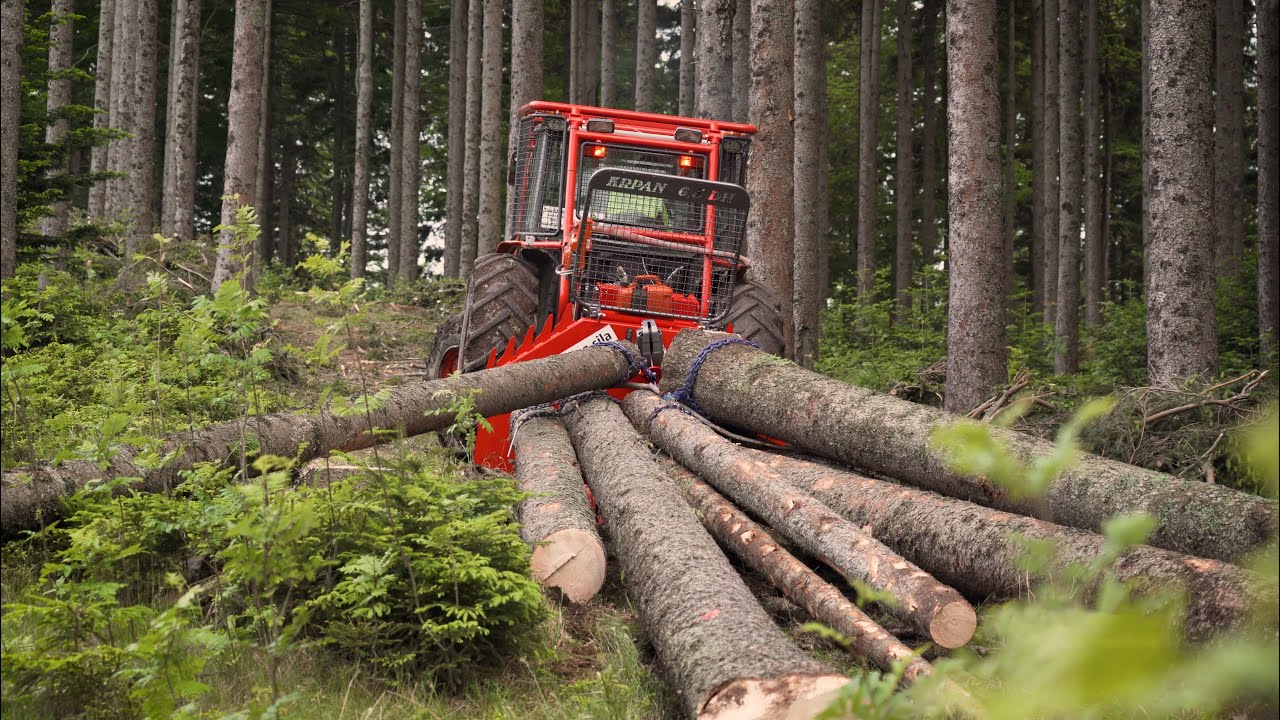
491	446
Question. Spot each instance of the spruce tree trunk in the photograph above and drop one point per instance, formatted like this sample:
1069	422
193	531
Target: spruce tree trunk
718	648
10	120
1228	136
868	156
490	208
609	53
577	47
890	436
716	70
557	518
1268	175
980	551
102	102
1037	156
934	610
1094	207
1070	191
976	351
1010	144
591	62
752	544
262	184
364	132
179	195
742	62
33	495
471	155
411	143
1182	335
929	136
688	23
646	52
240	171
120	150
143	163
810	167
904	193
1052	158
771	172
526	73
395	161
457	137
61	34
288	180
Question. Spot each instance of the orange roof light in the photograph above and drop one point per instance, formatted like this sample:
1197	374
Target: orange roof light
598	151
686	161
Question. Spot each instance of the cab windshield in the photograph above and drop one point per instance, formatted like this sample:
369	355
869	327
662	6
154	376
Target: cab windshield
629	209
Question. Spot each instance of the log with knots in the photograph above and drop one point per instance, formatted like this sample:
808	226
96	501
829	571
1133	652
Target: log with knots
828	492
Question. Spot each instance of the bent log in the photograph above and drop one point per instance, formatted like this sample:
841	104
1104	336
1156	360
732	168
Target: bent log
750	542
557	519
889	436
719	649
977	549
33	495
938	612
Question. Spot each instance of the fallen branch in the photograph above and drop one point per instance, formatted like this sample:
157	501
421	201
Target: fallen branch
1230	402
860	428
720	650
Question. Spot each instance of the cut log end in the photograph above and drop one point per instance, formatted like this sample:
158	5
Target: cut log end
954	625
789	697
571	561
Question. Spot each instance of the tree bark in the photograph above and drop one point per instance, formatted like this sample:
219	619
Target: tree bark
771	172
868	156
265	171
591	58
179	195
904	257
741	61
458	31
980	551
33	495
11	39
646	52
936	611
716	70
288	179
364	131
1038	160
688	23
143	163
752	544
609	53
471	159
1008	190
1182	334
890	436
120	150
720	650
1228	136
976	351
243	107
811	138
526	71
102	103
1094	207
1070	191
1052	157
557	519
395	162
1268	20
61	34
928	139
490	208
411	142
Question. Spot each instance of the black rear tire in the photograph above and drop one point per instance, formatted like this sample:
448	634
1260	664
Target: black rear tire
757	316
502	303
442	361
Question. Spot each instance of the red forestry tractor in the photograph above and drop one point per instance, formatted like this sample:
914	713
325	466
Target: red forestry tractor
624	225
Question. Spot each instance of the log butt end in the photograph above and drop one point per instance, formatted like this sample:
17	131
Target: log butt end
571	561
954	625
789	697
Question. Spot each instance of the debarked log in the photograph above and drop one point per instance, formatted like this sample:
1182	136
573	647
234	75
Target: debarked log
718	648
885	435
556	518
937	611
33	495
750	542
978	550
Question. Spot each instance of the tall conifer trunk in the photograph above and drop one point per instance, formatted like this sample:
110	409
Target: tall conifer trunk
61	34
868	154
1067	314
178	196
360	169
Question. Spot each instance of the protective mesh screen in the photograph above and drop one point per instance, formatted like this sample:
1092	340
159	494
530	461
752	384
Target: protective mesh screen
658	245
539	174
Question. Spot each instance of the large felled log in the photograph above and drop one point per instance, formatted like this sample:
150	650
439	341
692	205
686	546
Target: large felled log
938	612
785	571
977	549
557	519
719	649
33	495
885	435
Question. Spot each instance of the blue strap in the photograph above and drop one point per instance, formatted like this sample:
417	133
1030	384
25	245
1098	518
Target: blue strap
684	395
639	365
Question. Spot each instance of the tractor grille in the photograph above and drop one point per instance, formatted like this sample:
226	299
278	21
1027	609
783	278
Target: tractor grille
539	173
659	245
